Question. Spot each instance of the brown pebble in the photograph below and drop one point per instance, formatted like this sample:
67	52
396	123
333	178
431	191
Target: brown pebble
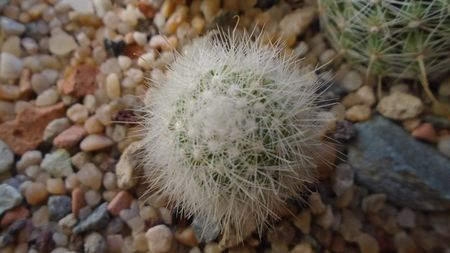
36	193
27	130
425	132
77	201
70	137
121	201
186	236
25	82
14	214
146	9
80	81
133	50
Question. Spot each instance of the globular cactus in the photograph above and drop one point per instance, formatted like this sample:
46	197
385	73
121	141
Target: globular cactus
231	132
402	39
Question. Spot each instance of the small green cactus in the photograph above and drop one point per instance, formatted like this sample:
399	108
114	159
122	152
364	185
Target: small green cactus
402	39
231	132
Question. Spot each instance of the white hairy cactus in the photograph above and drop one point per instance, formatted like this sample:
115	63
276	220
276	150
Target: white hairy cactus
231	131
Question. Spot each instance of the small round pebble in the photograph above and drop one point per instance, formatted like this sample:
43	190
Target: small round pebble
89	175
78	113
95	142
94	243
36	193
55	186
159	239
48	97
444	145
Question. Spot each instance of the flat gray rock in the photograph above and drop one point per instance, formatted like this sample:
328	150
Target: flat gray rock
97	220
388	160
9	198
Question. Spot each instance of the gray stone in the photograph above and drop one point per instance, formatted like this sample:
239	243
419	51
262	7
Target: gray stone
10	66
444	146
388	160
204	233
6	157
10	198
94	243
10	26
57	163
98	219
59	206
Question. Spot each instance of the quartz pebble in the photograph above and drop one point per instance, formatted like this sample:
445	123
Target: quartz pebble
89	175
95	142
78	113
159	239
62	44
48	97
6	157
10	66
400	106
57	163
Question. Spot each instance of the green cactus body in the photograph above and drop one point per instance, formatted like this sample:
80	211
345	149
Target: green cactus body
390	37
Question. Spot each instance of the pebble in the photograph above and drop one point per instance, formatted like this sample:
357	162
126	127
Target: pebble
78	113
121	201
10	66
400	106
78	201
55	186
296	22
94	243
373	203
126	167
90	176
59	206
61	44
70	137
140	242
36	193
358	113
125	62
60	239
9	92
13	215
342	179
57	163
11	27
367	244
98	219
81	81
56	127
159	239
425	132
212	247
186	236
12	45
315	203
110	181
92	198
444	145
113	86
26	131
39	83
10	198
303	221
303	247
352	81
404	243
406	218
48	97
6	157
326	220
95	142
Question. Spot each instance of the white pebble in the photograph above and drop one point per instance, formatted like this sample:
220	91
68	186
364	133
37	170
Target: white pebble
113	86
10	66
124	62
48	97
78	113
62	43
140	38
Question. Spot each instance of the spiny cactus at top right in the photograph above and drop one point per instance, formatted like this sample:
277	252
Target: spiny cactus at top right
396	38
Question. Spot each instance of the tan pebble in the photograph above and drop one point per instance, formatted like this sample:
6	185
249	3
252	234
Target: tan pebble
326	219
198	23
26	131
121	201
77	113
212	247
89	175
358	113
296	22
113	86
179	16
411	124
168	8
36	193
95	142
93	125
373	203
315	203
40	217
70	137
367	244
159	239
303	221
115	243
186	236
77	201
367	95
345	199
210	9
9	92
71	182
425	132
47	97
148	213
126	167
166	215
404	243
55	186
303	247
400	106
140	242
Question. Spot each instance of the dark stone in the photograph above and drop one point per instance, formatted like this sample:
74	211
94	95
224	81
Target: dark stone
225	20
98	219
59	206
114	47
115	226
44	242
125	117
388	160
266	4
344	131
13	230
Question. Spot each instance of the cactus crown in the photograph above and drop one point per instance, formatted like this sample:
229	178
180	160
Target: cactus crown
390	37
230	131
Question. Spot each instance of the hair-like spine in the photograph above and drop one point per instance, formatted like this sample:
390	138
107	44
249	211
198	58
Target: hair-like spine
230	133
